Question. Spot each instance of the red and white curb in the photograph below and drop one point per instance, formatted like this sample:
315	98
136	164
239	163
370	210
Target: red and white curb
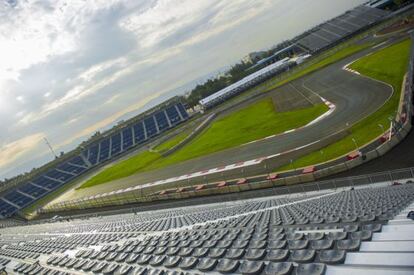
200	173
348	69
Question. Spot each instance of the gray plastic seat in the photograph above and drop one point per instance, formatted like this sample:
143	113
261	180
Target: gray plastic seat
235	253
367	218
255	254
277	255
206	264
280	236
349	218
111	256
88	265
110	269
160	250
132	258
277	244
139	270
315	236
210	244
139	249
99	267
224	244
121	257
196	244
151	271
361	235
372	227
157	260
227	266
294	236
348	245
149	250
303	255
240	244
311	269
251	267
200	252
257	244
123	270
350	228
144	259
171	251
188	263
186	251
217	252
337	235
321	244
71	263
298	244
172	261
332	256
283	268
79	264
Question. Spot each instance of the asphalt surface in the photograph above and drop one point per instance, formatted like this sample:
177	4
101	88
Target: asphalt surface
355	98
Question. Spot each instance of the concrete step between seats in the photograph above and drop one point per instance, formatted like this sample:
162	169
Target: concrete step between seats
394	236
397	228
387	246
401	221
399	259
367	270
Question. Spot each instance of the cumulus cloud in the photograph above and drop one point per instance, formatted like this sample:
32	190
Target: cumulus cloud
69	68
18	149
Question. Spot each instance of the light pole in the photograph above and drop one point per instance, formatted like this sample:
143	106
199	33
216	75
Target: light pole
293	166
382	127
356	144
322	155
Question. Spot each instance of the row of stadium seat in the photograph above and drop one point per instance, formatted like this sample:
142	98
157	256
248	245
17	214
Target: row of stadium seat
295	235
340	27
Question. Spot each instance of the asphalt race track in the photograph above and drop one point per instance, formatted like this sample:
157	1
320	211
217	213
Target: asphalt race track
355	98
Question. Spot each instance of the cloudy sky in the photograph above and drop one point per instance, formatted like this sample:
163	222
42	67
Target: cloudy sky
69	68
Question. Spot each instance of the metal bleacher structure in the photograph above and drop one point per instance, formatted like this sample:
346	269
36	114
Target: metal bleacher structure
107	148
360	230
338	29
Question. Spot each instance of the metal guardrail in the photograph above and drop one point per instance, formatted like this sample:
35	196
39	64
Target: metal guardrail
349	182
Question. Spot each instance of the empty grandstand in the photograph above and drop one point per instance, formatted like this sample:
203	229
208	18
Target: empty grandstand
338	29
361	230
247	82
100	151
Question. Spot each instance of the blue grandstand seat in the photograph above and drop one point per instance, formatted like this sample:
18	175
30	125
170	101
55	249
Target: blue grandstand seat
127	138
17	198
54	174
139	132
173	115
32	190
104	152
162	121
93	154
6	209
71	168
182	110
116	144
77	161
150	126
46	182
